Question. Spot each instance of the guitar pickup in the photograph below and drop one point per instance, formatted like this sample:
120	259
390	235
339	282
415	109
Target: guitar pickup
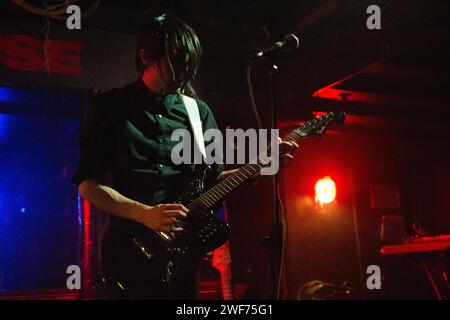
164	236
143	249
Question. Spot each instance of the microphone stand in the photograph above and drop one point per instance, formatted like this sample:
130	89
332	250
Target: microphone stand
274	242
276	236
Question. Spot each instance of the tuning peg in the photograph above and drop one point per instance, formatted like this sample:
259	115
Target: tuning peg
321	131
340	117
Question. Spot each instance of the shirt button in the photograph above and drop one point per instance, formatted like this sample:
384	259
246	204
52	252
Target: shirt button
160	166
159	116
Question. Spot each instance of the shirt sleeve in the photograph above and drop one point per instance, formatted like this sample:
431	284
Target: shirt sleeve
96	141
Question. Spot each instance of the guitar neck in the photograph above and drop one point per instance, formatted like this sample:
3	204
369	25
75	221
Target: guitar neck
221	190
227	288
217	194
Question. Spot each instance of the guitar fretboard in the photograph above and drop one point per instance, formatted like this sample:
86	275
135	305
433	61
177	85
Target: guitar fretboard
220	191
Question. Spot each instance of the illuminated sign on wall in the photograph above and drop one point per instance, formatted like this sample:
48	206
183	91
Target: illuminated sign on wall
26	53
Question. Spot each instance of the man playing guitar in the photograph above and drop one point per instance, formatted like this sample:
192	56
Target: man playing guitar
125	167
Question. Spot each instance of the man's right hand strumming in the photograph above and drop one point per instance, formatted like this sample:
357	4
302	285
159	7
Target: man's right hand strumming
163	217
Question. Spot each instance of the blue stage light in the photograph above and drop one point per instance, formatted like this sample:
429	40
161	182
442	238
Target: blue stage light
8	95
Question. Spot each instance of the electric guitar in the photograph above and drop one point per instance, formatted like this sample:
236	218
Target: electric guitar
221	261
163	252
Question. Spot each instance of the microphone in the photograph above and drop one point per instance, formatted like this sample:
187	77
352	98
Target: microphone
289	42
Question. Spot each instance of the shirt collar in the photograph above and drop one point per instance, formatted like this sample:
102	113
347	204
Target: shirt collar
148	97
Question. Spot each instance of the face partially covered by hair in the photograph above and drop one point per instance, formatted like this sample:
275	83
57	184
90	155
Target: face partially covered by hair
170	79
171	45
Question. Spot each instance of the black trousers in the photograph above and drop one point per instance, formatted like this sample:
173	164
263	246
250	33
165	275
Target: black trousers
126	275
183	287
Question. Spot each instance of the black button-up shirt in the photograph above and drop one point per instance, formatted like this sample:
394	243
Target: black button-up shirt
126	136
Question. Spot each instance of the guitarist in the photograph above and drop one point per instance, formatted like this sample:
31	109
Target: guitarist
125	166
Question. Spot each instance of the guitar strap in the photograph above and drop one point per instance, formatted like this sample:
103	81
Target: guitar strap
196	123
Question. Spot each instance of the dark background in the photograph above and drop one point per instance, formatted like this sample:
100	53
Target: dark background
396	135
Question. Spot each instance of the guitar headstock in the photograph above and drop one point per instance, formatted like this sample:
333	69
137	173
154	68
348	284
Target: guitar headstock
221	257
318	126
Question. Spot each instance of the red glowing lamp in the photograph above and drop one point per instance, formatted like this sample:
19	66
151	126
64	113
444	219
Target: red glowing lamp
325	189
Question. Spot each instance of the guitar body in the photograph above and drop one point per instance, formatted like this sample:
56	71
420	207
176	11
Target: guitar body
155	257
202	229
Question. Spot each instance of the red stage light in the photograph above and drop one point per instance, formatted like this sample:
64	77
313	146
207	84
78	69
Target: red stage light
325	189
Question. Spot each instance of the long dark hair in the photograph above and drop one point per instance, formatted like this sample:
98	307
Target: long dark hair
169	36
